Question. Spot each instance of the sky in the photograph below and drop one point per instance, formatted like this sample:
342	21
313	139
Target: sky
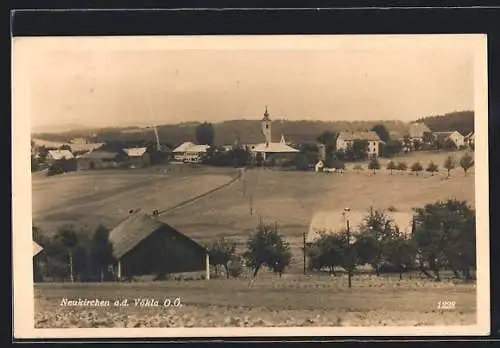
97	82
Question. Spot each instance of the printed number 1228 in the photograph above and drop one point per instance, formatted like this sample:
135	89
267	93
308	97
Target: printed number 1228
446	305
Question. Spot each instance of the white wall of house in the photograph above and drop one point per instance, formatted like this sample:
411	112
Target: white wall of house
457	138
373	145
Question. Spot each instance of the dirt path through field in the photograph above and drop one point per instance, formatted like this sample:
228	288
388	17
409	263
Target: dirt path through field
204	195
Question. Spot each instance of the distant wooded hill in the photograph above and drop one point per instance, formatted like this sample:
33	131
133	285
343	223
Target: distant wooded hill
249	131
462	121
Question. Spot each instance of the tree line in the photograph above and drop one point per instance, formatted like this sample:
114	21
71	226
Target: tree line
74	255
443	238
466	162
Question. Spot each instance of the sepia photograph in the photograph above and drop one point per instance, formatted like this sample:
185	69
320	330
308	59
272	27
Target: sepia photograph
325	185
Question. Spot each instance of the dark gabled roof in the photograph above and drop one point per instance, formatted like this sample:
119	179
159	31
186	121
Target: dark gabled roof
100	154
368	136
135	228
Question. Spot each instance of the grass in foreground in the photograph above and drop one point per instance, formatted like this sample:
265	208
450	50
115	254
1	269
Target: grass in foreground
290	301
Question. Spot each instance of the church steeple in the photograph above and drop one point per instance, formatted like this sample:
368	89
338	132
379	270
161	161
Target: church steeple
266	115
266	127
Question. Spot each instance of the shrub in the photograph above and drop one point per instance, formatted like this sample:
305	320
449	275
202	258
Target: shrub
466	162
374	164
402	167
235	268
301	162
267	248
449	164
432	168
416	168
391	166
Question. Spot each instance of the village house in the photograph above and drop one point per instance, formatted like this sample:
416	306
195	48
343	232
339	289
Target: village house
335	222
417	131
190	152
137	157
143	245
455	137
57	155
347	139
469	140
268	147
98	159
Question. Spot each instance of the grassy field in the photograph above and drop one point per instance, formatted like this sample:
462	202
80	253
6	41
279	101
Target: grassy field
93	197
289	198
270	301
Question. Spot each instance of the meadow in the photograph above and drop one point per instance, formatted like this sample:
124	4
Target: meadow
270	301
289	198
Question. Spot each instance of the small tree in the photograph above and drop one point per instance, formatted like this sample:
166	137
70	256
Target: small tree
374	164
358	168
400	251
375	231
327	251
466	162
445	235
221	252
301	162
432	168
267	248
101	251
391	166
67	237
449	164
416	168
402	167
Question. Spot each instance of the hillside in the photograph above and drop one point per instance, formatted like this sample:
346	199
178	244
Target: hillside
462	121
227	132
249	132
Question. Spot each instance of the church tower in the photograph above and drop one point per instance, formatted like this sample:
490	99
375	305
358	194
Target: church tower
266	127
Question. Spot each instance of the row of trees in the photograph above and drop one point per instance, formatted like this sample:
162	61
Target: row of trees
265	248
466	162
443	237
73	253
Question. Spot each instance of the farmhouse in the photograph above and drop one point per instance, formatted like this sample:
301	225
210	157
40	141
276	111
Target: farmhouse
62	159
455	137
268	148
98	159
347	139
190	152
75	147
334	222
137	157
57	155
417	130
143	245
469	140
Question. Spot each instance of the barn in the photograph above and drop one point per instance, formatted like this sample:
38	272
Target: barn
143	245
98	159
333	222
37	253
137	157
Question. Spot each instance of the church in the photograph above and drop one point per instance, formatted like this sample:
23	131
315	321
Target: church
268	148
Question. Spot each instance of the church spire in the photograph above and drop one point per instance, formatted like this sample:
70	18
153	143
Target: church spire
266	115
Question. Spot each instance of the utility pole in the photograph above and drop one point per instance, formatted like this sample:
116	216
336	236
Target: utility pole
349	260
304	248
